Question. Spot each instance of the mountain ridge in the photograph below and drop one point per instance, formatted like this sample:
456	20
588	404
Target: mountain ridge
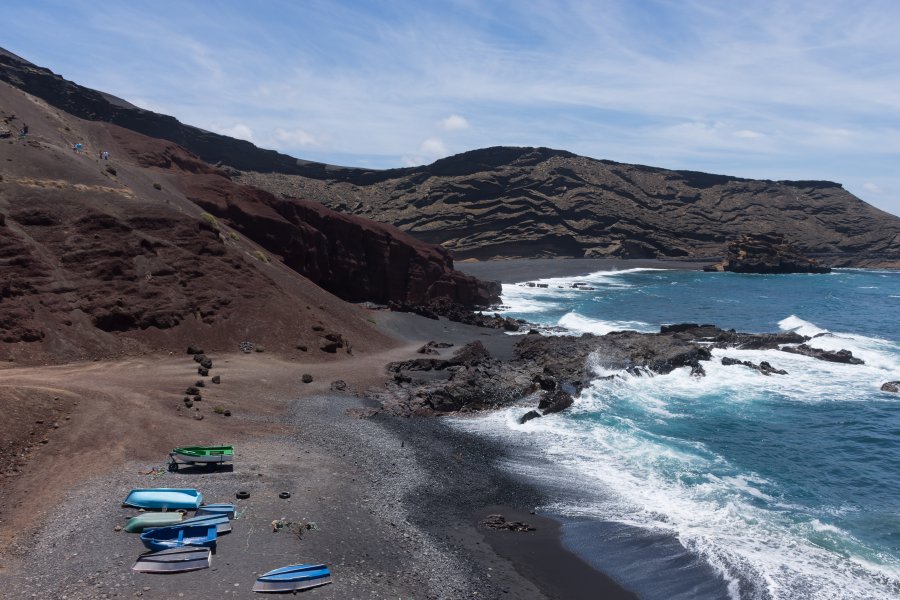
503	202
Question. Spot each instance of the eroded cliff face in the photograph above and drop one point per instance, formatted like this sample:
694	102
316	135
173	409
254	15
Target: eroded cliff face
354	258
528	202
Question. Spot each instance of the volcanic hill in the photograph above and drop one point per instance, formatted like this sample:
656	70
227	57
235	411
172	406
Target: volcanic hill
154	248
527	202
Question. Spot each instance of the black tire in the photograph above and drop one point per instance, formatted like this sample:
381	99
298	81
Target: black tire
173	467
284	495
242	495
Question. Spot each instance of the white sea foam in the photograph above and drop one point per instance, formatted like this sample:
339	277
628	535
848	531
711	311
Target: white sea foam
726	519
734	520
581	324
523	298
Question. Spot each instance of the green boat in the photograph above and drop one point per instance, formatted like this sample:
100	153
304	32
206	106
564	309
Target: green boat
152	519
209	455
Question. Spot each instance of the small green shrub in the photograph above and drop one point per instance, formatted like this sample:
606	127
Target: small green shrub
219	410
210	219
234	236
261	256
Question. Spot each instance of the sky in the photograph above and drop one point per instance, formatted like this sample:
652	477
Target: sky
761	89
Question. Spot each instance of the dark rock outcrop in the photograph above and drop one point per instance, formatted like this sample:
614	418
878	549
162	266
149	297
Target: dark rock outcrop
765	254
763	367
554	370
499	522
891	386
841	356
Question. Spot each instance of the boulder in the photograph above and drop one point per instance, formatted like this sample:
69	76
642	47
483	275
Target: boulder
555	401
206	363
338	385
192	349
191	391
306	378
216	379
499	522
891	386
202	371
531	414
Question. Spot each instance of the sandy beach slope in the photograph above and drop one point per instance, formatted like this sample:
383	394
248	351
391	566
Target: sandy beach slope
396	502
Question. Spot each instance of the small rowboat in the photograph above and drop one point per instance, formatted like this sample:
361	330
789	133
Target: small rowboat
223	525
173	560
293	578
209	455
164	498
216	509
164	538
152	519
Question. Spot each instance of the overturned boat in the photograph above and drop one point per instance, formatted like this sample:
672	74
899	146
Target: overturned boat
164	499
144	521
173	560
163	538
216	509
293	578
222	523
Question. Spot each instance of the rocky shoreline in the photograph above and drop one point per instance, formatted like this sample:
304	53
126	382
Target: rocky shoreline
550	371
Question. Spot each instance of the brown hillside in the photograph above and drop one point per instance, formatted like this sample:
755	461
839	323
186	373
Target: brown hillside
101	258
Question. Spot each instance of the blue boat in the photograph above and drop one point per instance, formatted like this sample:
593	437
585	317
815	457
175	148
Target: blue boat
222	523
293	578
216	509
164	499
163	538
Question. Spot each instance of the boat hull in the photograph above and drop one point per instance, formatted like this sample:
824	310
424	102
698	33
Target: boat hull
216	509
293	578
164	538
139	523
173	560
164	499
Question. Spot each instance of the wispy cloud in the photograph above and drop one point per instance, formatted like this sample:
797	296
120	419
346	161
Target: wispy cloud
772	89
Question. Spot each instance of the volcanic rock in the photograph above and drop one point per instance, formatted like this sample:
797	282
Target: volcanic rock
765	254
891	386
763	367
841	356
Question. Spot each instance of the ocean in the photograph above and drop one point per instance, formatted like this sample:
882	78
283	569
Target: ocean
734	485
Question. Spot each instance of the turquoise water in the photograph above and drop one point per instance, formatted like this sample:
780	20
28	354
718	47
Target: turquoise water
782	486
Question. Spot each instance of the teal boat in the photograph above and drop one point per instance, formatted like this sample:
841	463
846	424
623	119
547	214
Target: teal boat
207	455
164	499
152	519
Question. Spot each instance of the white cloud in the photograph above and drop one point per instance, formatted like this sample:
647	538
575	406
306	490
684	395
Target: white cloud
238	130
871	187
454	123
296	138
433	147
748	134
